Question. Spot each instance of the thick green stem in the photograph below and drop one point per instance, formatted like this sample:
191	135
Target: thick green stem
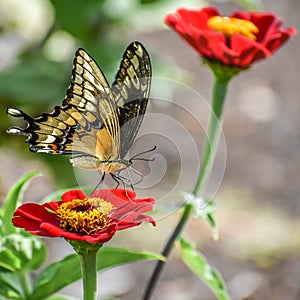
213	133
88	259
89	274
211	144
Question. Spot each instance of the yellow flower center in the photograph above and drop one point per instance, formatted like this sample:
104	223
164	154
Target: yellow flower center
84	216
229	26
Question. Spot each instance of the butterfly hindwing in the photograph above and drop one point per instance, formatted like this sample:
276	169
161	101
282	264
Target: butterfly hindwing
50	133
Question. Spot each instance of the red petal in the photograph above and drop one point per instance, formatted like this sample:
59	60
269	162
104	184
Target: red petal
133	219
103	236
115	196
132	214
216	43
139	205
143	205
263	21
52	205
196	18
244	15
73	194
34	212
276	40
124	194
31	216
50	230
248	50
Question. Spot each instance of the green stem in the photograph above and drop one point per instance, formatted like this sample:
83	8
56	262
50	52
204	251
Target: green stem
213	134
166	251
212	140
89	274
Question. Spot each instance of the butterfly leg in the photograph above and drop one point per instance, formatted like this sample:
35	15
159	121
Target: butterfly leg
138	173
129	180
123	179
115	178
100	182
126	180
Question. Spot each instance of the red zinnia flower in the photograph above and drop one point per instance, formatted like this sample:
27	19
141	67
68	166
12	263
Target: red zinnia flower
238	40
77	217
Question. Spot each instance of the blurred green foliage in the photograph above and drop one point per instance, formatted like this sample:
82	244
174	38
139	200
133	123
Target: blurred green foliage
251	5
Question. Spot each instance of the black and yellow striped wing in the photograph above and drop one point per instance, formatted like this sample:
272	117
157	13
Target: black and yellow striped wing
89	124
131	90
73	127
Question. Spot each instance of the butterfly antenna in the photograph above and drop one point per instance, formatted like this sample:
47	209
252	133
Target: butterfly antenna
135	157
144	159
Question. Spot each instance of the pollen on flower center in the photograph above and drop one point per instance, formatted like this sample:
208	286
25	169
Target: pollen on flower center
229	26
84	216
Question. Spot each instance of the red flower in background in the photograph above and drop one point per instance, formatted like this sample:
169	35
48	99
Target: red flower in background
238	40
77	217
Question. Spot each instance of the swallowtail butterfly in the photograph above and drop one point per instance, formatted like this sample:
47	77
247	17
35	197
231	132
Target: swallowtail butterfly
96	123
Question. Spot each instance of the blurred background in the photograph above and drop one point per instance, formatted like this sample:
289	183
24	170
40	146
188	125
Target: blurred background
258	207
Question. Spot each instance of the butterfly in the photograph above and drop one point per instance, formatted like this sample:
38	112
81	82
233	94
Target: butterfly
96	123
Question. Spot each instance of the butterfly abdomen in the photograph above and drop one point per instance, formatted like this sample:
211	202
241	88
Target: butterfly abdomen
106	166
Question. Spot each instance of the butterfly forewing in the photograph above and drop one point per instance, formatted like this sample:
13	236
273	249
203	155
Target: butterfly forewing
131	90
90	92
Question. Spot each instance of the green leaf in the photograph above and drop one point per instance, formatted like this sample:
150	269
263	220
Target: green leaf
149	1
10	286
14	196
9	261
19	252
198	264
68	270
56	276
251	5
60	297
204	208
110	257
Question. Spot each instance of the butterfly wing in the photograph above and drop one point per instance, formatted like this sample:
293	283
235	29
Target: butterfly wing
87	122
90	88
130	91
